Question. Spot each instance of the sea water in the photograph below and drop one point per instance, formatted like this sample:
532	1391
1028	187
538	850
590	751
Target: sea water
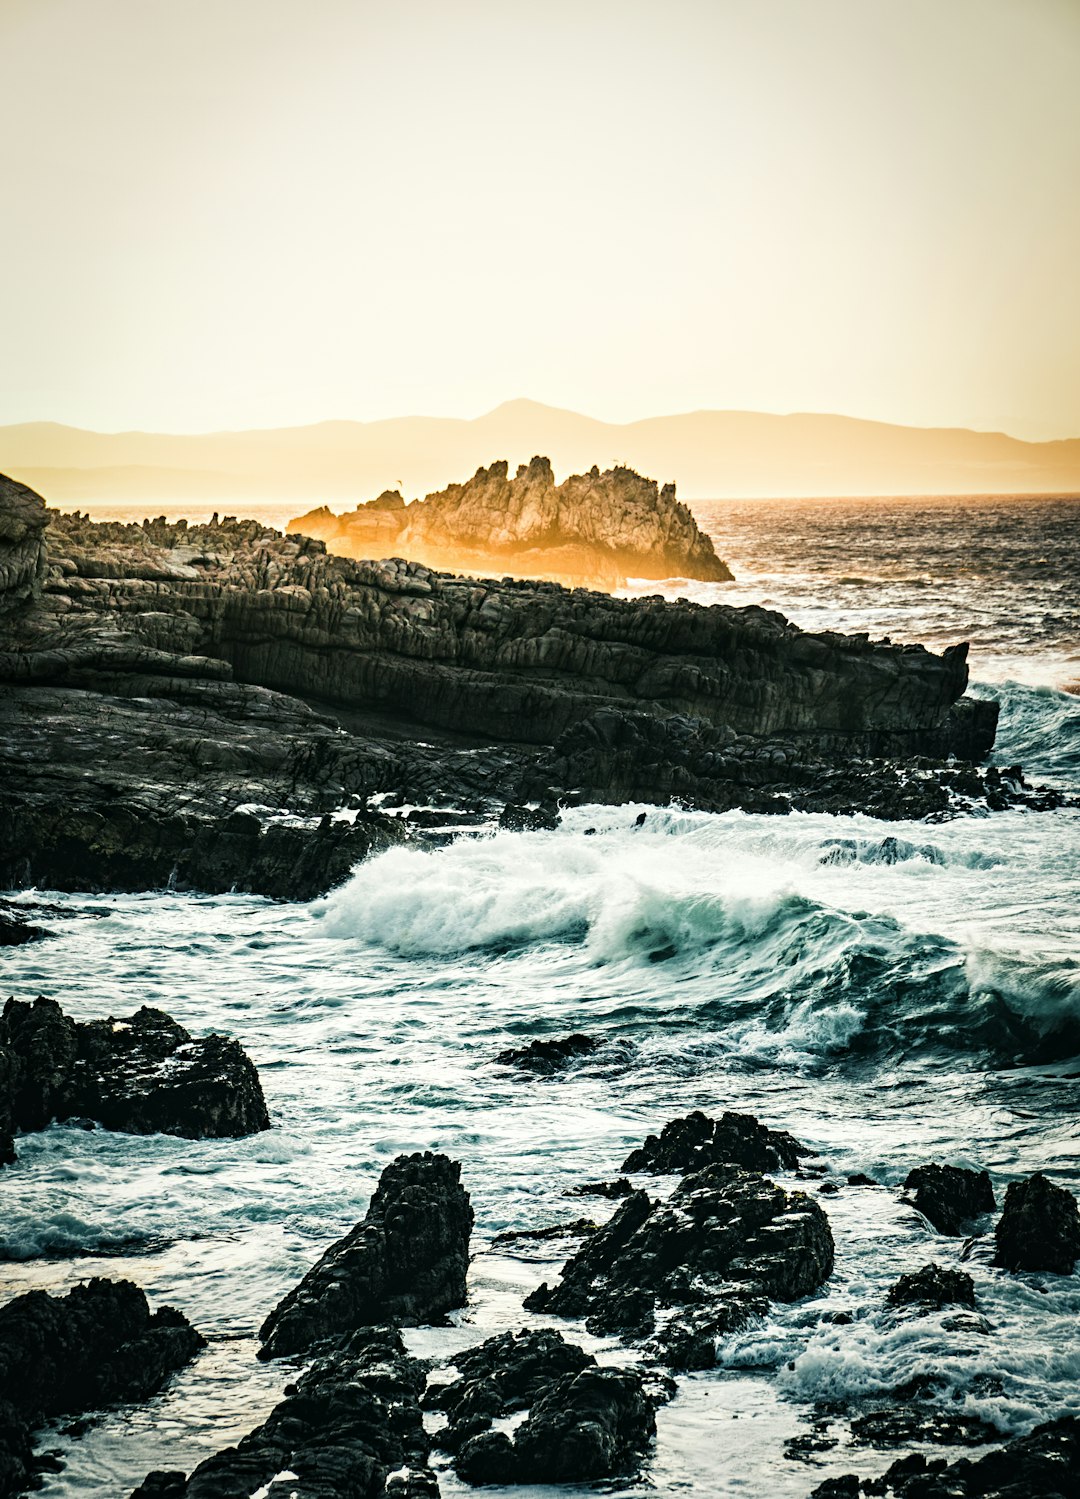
890	993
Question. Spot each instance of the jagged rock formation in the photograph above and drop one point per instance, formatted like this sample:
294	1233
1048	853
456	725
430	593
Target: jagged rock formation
723	1245
584	1423
1039	1228
189	705
63	1355
593	530
547	1055
951	1197
1045	1463
405	1263
350	1420
143	1075
933	1286
696	1141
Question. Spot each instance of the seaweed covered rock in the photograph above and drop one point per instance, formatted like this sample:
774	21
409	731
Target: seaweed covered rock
351	1420
63	1355
404	1263
951	1197
695	1141
142	1075
1045	1464
700	1264
1039	1228
584	1422
933	1286
545	1056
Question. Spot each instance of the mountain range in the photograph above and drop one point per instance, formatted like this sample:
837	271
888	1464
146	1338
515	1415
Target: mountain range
709	455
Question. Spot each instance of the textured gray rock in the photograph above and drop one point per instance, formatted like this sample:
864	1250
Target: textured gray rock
595	529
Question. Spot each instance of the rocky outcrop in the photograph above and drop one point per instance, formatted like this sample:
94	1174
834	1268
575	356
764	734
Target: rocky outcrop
349	1422
62	1355
22	545
696	1266
1045	1463
933	1286
1039	1228
696	1141
950	1197
141	1075
211	707
545	1056
405	1263
584	1423
595	529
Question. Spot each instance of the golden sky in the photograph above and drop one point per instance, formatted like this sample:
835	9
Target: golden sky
228	213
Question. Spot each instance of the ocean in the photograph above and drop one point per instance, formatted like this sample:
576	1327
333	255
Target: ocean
891	994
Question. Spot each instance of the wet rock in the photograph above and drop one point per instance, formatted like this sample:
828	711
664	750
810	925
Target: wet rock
574	1228
951	1197
1039	1228
611	1189
901	1425
1045	1463
404	1263
695	1141
351	1420
547	1056
700	1264
584	1422
141	1075
14	932
162	1483
63	1355
933	1286
860	1179
515	819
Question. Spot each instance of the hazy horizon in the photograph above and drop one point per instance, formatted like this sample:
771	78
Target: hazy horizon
267	214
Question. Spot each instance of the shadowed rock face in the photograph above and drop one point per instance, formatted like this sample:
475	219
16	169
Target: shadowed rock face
1039	1228
725	1243
142	1075
405	1263
595	529
170	691
63	1355
949	1196
696	1141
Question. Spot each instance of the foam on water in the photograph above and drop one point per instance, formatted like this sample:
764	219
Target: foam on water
890	993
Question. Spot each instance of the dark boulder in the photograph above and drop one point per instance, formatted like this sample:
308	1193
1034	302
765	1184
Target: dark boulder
14	932
584	1422
949	1196
700	1264
515	819
695	1141
1043	1465
933	1286
142	1075
404	1263
1039	1228
64	1355
612	1189
351	1420
547	1056
573	1228
901	1425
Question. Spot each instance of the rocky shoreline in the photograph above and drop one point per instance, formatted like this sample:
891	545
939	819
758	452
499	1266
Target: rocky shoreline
218	707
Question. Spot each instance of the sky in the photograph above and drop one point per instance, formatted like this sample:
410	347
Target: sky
234	213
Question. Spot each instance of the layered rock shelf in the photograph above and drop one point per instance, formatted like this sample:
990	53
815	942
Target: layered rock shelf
214	707
595	529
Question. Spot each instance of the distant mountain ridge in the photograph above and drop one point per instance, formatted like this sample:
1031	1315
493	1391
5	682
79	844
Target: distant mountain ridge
708	455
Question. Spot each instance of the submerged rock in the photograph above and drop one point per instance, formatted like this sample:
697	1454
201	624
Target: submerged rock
695	1141
547	1056
1045	1464
901	1425
700	1264
63	1355
404	1263
949	1196
933	1286
1039	1228
14	932
350	1420
142	1075
584	1422
621	1187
